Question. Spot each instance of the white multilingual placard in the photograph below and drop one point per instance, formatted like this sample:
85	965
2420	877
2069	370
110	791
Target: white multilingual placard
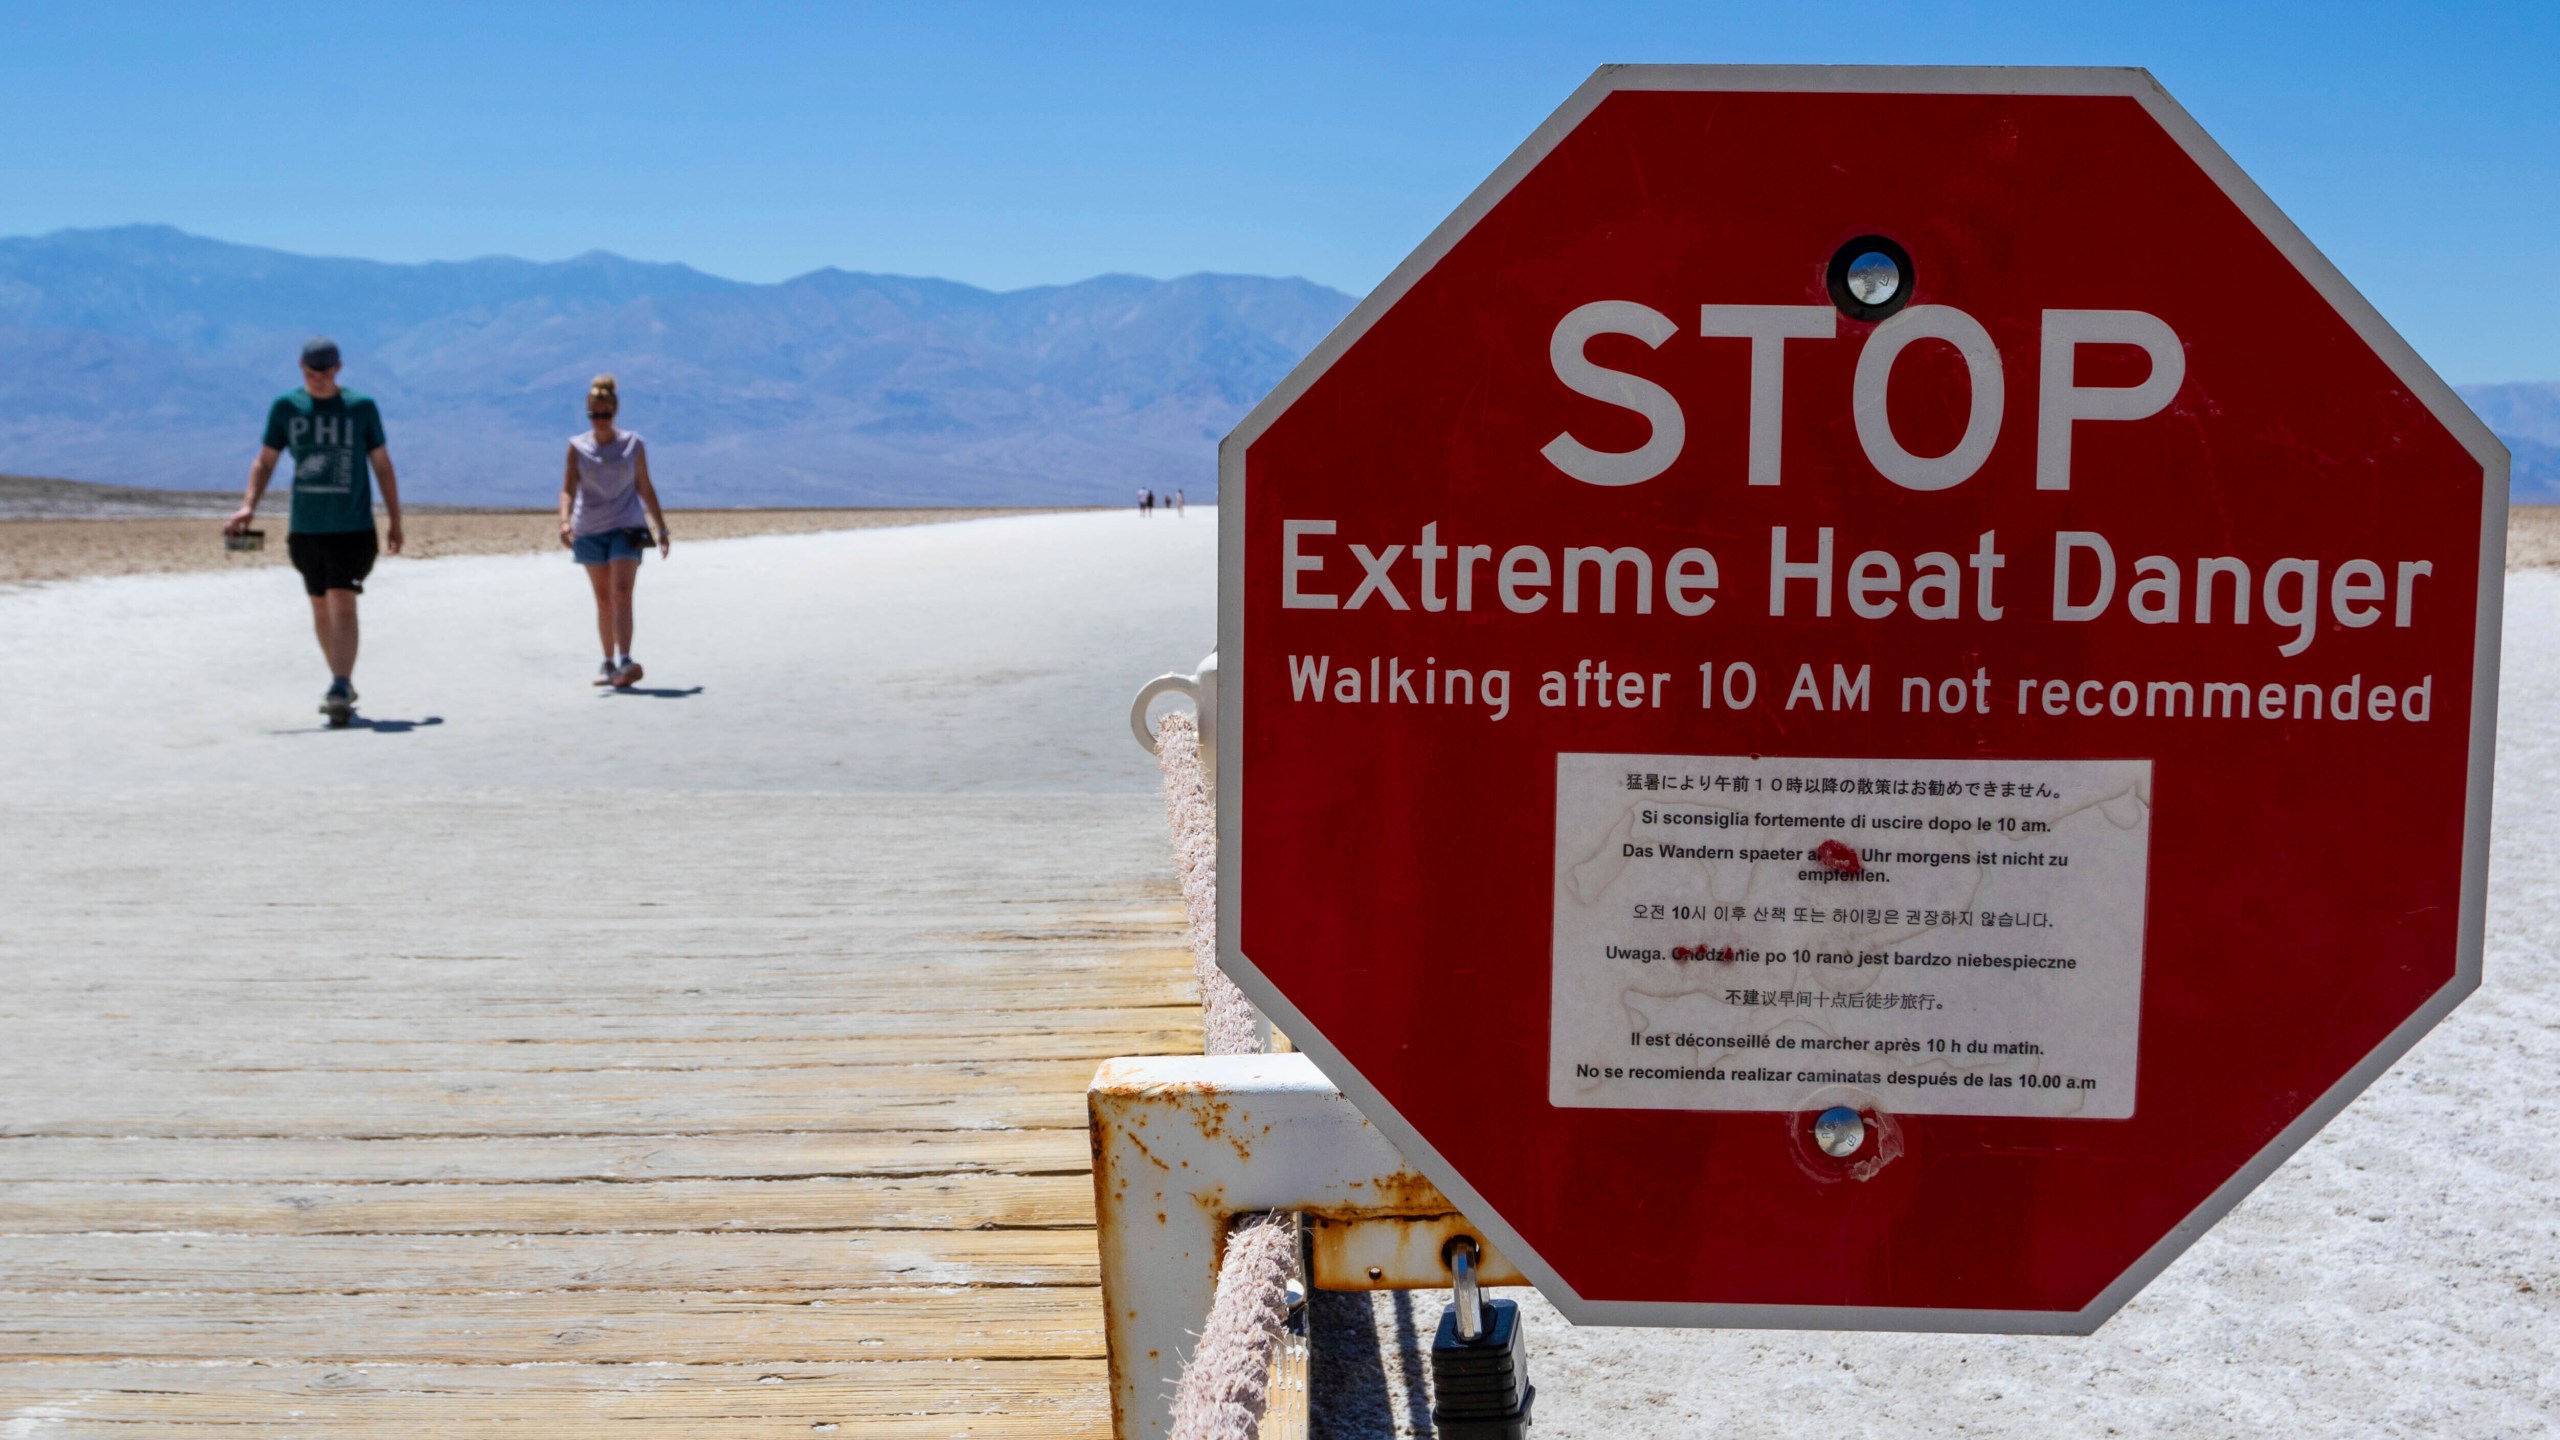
1940	937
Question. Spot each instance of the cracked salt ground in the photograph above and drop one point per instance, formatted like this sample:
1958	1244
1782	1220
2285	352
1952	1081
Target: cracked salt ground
2398	1277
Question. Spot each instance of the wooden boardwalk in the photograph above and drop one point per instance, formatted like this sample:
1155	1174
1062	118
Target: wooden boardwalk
698	1115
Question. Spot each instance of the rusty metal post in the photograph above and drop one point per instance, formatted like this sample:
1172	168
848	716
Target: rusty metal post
1182	1144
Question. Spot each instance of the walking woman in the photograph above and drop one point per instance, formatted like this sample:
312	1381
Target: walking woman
607	507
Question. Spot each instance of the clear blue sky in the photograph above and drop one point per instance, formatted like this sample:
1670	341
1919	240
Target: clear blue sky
1016	145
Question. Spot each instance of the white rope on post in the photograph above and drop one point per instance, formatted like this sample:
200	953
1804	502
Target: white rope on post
1227	1385
1227	1021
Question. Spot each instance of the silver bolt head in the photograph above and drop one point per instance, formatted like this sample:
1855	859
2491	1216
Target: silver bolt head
1874	278
1839	1131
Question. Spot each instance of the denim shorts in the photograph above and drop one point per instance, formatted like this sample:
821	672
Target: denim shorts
606	546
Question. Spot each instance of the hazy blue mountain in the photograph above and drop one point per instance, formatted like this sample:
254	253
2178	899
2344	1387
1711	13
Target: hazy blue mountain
147	356
2527	417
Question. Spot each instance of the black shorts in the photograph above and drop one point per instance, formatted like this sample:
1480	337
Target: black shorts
336	560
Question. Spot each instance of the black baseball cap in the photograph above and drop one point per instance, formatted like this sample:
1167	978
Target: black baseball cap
319	353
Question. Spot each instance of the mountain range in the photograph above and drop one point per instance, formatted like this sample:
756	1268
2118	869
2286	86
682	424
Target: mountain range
2527	417
143	355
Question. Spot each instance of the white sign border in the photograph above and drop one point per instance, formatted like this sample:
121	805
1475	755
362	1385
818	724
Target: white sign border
2423	382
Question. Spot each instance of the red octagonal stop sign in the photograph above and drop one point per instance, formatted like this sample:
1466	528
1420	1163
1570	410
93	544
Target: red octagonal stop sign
1910	596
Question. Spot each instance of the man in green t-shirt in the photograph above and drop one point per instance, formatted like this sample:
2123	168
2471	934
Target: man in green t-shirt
333	434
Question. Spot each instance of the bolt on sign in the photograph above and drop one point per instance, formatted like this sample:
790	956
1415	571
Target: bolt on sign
1911	605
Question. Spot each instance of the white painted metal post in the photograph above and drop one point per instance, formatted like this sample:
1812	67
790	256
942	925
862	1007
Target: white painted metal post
1282	1134
1181	1144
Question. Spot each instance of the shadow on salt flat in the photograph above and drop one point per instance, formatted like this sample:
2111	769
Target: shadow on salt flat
366	722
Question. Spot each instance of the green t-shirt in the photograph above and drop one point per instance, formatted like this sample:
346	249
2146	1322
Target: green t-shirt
329	439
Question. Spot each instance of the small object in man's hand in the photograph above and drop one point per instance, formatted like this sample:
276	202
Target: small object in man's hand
245	540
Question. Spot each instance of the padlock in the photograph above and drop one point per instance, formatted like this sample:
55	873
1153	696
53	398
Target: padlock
1480	1386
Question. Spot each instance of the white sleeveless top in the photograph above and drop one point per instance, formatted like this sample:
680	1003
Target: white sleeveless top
608	484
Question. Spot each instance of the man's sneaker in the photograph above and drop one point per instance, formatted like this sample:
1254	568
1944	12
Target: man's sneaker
605	673
339	704
628	675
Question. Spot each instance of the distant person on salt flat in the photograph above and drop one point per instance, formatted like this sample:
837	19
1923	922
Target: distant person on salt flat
1177	504
1146	501
607	507
334	434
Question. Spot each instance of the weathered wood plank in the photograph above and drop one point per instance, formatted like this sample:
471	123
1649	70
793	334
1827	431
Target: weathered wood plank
1002	1420
997	1094
1000	1400
781	1327
486	946
173	1030
976	1202
1033	984
674	1392
464	1264
540	1158
198	1053
1025	1415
